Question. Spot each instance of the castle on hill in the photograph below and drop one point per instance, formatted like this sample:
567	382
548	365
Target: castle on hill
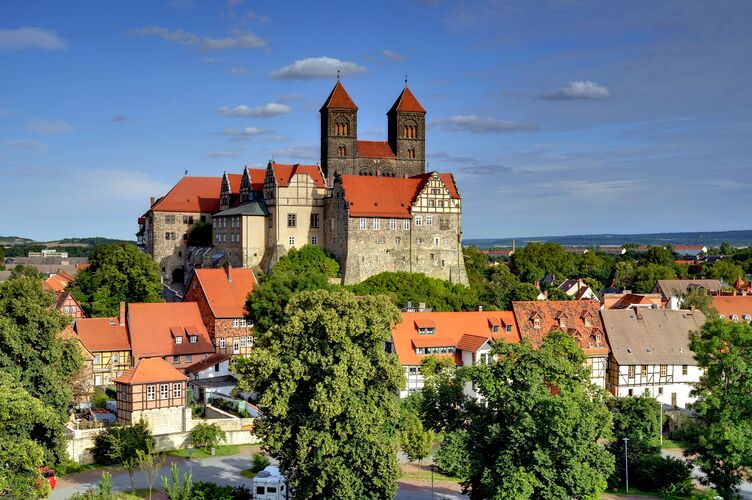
370	203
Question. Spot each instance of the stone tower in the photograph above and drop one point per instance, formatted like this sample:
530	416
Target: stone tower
339	133
407	134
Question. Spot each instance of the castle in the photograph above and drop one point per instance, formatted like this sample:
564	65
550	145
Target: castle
370	203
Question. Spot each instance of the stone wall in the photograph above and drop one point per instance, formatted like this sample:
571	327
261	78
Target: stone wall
169	254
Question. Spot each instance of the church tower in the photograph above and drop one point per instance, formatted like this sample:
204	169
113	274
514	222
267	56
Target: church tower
339	133
407	134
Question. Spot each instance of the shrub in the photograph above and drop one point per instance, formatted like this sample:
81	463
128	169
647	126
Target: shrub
451	457
211	491
111	392
669	475
120	443
99	399
260	461
207	436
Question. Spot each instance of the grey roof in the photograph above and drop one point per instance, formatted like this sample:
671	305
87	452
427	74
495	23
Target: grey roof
4	275
651	336
253	207
674	288
223	381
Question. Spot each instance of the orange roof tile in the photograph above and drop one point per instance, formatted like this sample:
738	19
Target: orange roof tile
283	173
472	343
150	370
450	328
58	281
207	363
191	194
339	98
151	327
226	298
407	102
730	305
102	334
257	176
375	149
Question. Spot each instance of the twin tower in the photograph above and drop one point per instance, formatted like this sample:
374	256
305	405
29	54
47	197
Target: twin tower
402	155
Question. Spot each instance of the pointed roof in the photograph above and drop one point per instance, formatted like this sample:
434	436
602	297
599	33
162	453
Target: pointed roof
407	102
339	98
150	370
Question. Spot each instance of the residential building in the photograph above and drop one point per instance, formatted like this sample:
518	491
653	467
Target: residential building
537	319
650	353
107	340
211	376
150	386
734	308
466	337
672	290
628	300
173	331
690	250
220	295
578	290
64	301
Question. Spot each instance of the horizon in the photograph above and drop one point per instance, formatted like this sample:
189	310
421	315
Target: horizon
564	118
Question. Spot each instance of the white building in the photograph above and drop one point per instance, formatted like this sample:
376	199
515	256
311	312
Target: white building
650	353
211	376
672	290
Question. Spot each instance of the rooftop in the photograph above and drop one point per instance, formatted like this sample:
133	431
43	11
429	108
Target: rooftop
150	370
226	289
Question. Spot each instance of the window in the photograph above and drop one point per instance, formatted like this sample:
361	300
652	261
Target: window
216	367
411	153
684	369
536	323
291	241
66	309
406	224
164	391
243	323
631	392
292	220
177	390
734	318
410	131
377	224
151	392
175	360
429	220
508	328
436	241
187	219
314	220
235	323
631	372
188	358
342	151
115	358
392	224
224	237
193	339
431	203
342	127
441	203
178	340
170	235
397	240
270	222
242	342
314	239
418	241
660	390
418	220
363	223
222	343
73	309
664	370
495	329
169	219
219	237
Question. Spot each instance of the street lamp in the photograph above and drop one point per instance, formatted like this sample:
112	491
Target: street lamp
626	465
432	466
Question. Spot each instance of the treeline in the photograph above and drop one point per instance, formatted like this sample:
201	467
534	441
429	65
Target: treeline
75	247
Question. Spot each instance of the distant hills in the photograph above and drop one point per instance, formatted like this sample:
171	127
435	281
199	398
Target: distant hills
705	238
15	246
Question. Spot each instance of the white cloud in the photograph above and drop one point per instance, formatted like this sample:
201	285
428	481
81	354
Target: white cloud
31	38
578	90
238	40
243	133
224	154
243	111
393	56
475	124
237	71
29	145
317	67
48	127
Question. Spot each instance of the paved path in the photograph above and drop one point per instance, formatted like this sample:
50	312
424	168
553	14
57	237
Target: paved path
745	489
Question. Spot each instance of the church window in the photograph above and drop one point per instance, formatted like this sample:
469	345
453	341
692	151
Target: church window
388	172
363	223
342	151
429	220
392	224
418	220
377	224
342	127
411	153
410	130
365	172
406	224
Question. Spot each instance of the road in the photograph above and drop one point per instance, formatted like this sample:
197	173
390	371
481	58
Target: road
745	489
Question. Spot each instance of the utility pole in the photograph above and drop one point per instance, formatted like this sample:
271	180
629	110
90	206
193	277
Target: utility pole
432	479
626	465
660	425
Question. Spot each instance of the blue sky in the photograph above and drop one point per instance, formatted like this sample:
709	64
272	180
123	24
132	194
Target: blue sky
556	117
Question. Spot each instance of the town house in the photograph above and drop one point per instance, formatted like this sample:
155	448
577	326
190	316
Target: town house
151	385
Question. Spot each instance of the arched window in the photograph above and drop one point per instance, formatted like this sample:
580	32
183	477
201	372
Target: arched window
388	172
410	130
342	127
411	153
365	172
342	151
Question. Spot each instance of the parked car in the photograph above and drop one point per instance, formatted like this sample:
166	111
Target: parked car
49	475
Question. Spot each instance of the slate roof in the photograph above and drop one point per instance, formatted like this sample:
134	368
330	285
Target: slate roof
253	207
651	336
674	288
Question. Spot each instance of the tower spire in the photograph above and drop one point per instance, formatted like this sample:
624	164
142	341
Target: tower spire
405	79
338	74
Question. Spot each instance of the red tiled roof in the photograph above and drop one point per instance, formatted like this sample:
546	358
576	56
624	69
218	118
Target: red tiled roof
424	323
207	363
729	305
257	176
102	334
547	311
57	282
151	327
472	343
339	98
226	298
407	102
191	194
150	370
374	196
283	173
375	149
450	328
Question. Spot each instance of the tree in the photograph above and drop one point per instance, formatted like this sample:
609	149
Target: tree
725	249
533	262
538	436
200	235
37	357
624	274
659	255
647	275
23	270
442	398
117	273
120	446
725	271
636	418
524	291
415	440
178	489
556	294
699	299
24	421
150	463
310	259
329	391
724	451
207	436
451	457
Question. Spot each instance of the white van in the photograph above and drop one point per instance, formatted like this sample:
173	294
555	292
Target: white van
269	484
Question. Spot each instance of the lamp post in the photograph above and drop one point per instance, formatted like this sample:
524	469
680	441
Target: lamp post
626	465
432	479
660	426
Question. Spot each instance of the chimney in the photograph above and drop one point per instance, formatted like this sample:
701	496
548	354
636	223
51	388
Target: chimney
151	200
122	314
480	308
228	268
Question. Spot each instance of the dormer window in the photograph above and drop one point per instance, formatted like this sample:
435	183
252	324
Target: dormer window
508	329
495	329
536	323
178	340
735	318
426	331
193	339
562	323
747	318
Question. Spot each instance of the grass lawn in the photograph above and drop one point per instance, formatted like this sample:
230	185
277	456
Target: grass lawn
223	450
248	473
668	443
633	492
425	475
74	468
140	493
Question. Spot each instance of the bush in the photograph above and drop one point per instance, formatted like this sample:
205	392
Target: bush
99	399
207	436
451	457
119	443
111	392
671	476
260	461
211	491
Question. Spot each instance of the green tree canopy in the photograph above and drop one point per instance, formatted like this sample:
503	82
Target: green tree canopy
418	288
724	452
23	270
659	255
443	400
699	299
35	355
329	393
538	437
117	273
725	270
645	276
532	262
310	259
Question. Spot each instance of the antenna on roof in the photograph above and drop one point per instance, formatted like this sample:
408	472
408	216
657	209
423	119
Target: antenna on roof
338	73
405	79
186	173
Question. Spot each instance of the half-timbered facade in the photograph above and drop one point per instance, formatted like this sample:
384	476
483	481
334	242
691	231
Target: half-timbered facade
650	353
107	341
153	384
